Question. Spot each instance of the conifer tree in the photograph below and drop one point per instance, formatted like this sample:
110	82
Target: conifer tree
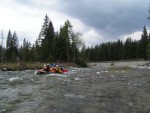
65	33
148	51
12	44
9	40
15	41
44	28
46	38
49	39
143	44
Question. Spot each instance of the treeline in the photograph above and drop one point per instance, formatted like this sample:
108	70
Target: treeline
118	50
65	46
50	46
10	53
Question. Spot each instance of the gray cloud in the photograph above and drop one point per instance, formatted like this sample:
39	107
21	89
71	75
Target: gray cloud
103	20
112	17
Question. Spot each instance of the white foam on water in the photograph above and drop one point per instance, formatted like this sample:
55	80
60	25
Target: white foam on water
57	75
14	79
77	78
128	83
2	77
74	96
98	72
73	70
112	76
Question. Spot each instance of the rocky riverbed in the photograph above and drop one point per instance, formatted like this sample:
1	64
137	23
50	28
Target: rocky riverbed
82	90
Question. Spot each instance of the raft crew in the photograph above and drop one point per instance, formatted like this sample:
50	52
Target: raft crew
53	68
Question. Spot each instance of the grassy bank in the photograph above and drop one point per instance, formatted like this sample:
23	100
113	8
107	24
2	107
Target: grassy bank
18	66
28	66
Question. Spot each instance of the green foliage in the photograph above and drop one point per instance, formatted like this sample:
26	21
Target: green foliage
120	68
81	62
148	51
112	64
143	44
65	46
50	58
25	51
13	57
9	40
111	51
11	47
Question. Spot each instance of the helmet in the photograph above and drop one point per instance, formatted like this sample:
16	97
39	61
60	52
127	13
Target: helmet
47	64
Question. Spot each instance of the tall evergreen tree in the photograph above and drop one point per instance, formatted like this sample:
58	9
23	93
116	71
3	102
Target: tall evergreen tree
148	51
12	47
46	38
44	29
9	40
65	34
15	41
1	53
25	51
143	44
49	39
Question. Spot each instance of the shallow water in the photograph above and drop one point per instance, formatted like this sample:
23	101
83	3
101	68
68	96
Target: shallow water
97	90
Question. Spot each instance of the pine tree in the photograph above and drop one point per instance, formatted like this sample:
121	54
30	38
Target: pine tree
44	28
25	51
49	39
143	44
65	32
1	53
9	40
37	51
15	41
148	51
46	38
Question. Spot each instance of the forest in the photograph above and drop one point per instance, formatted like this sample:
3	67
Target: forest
66	45
119	50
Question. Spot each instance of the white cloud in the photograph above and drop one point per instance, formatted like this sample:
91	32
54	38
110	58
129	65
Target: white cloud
91	37
135	36
27	16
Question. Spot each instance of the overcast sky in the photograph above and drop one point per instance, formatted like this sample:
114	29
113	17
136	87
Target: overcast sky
98	20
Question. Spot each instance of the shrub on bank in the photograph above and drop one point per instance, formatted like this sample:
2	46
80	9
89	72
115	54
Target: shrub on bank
19	66
81	62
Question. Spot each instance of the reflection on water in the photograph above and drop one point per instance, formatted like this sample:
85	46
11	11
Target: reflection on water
79	91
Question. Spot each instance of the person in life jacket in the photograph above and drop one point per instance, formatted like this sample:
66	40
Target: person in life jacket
46	68
56	69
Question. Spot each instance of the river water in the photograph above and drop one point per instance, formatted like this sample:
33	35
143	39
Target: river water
98	90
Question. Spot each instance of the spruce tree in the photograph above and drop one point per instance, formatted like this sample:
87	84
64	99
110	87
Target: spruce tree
148	51
15	40
15	44
143	44
9	40
46	38
49	38
44	28
65	33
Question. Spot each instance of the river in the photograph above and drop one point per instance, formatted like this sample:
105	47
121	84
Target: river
88	90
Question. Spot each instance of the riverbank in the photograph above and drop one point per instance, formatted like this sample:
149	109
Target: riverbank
29	66
133	63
